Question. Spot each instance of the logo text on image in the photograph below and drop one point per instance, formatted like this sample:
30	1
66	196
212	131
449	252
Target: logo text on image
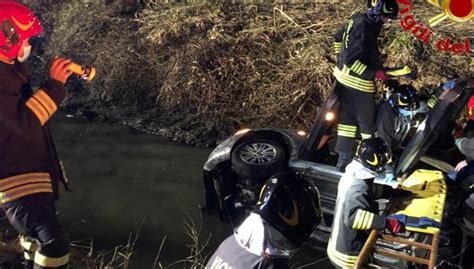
455	10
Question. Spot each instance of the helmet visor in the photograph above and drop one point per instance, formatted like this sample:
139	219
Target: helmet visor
8	30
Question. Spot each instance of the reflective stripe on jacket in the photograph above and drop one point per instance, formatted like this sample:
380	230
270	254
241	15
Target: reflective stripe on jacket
355	214
19	186
27	150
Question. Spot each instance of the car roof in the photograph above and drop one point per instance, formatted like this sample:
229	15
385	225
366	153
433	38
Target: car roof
450	104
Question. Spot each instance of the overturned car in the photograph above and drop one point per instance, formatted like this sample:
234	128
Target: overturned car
237	168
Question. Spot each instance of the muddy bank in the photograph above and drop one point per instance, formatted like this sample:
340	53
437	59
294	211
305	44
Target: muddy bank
197	72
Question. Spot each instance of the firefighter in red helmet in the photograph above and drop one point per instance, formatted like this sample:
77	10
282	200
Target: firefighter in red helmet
30	171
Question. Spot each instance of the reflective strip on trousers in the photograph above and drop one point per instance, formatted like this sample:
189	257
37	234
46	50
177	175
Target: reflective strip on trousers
45	261
366	136
346	130
346	134
337	47
29	248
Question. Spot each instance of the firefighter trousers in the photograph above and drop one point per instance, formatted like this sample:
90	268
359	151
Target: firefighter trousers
356	115
42	235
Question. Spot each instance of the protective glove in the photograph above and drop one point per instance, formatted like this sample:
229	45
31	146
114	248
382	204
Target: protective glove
458	140
448	85
59	70
389	177
393	225
380	75
461	165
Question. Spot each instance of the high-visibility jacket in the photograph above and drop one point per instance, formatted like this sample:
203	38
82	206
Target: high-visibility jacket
358	56
356	213
28	159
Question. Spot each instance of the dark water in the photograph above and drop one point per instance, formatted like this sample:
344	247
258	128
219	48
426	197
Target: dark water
124	181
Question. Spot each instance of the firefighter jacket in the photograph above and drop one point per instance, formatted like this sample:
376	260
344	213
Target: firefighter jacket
28	159
391	126
355	214
247	249
358	56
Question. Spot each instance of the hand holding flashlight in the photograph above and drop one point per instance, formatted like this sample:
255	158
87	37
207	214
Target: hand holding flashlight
62	68
59	69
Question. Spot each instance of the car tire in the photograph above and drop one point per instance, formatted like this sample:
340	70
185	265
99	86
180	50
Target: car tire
259	159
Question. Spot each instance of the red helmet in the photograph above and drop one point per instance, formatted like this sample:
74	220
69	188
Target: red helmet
17	23
470	108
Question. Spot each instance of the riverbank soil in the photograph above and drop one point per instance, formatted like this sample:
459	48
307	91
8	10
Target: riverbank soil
197	72
193	72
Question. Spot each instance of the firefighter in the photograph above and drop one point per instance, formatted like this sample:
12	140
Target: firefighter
464	178
465	144
394	120
287	211
359	64
395	117
356	211
30	171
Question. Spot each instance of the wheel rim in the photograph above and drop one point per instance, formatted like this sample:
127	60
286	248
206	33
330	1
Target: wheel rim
258	153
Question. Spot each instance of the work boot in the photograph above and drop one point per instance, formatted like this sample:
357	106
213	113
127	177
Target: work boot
343	160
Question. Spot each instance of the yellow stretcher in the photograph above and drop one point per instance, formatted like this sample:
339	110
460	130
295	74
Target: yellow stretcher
429	189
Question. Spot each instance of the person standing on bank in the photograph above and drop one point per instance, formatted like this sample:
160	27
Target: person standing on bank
359	64
30	170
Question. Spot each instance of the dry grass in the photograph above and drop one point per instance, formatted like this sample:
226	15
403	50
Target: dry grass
85	255
206	69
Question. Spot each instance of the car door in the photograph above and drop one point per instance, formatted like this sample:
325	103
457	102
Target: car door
448	107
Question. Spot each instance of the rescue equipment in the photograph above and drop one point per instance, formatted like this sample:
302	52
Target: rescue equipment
424	211
84	72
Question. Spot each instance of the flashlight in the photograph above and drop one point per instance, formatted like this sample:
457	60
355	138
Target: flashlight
84	72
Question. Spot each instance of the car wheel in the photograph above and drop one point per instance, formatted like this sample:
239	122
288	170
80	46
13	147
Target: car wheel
259	159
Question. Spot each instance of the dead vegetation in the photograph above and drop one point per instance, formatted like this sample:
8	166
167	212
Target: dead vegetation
84	253
196	72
